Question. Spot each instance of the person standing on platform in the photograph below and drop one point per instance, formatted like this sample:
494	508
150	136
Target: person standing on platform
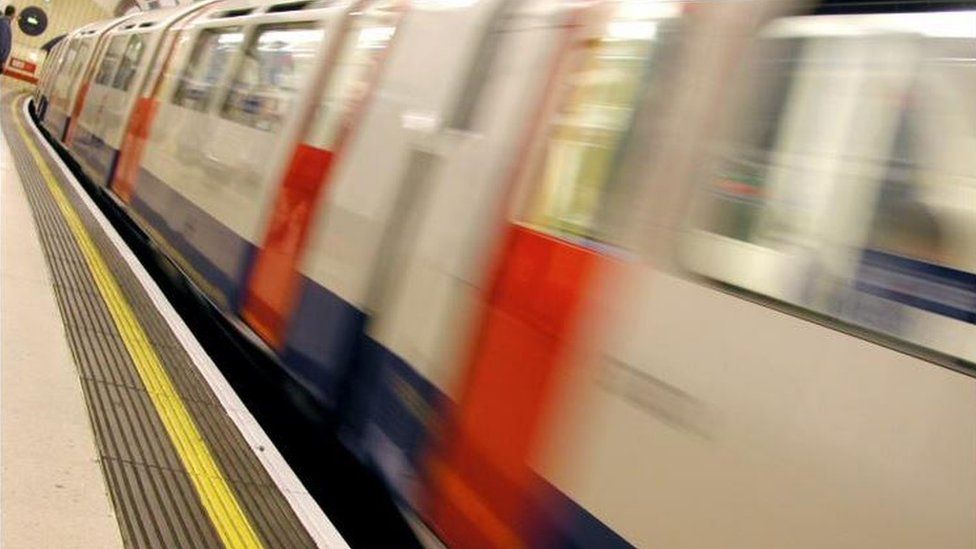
6	34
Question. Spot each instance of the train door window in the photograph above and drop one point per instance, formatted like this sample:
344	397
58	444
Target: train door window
110	61
276	63
349	82
129	63
159	63
209	59
65	68
746	157
572	176
81	59
70	56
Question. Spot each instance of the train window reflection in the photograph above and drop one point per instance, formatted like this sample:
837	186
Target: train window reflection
208	61
111	60
275	65
350	80
129	64
587	134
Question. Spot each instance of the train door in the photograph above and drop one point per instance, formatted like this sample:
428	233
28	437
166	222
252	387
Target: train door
558	243
146	103
431	275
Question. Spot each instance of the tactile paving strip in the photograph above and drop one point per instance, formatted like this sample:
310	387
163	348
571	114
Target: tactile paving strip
155	500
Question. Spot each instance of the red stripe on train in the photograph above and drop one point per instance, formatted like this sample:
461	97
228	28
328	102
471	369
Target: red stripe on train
482	487
69	134
274	282
133	146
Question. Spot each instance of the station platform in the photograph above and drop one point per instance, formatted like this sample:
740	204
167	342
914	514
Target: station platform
117	428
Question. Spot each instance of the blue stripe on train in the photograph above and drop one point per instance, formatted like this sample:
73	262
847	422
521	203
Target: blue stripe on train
568	525
213	251
934	288
387	417
322	341
98	158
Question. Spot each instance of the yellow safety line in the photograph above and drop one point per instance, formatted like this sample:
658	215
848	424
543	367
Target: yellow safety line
219	501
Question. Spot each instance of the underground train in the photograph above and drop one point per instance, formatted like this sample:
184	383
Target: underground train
601	273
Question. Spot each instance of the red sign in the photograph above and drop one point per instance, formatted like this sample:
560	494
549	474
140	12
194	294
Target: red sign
20	69
22	65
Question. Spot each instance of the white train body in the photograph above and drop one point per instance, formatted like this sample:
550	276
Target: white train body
602	273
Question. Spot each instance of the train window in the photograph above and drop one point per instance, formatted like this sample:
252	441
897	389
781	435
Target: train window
69	58
363	47
159	62
232	13
572	176
288	6
60	84
110	61
276	64
130	62
77	60
81	59
209	59
839	184
746	157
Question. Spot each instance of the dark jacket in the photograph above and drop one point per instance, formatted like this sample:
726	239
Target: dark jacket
6	39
